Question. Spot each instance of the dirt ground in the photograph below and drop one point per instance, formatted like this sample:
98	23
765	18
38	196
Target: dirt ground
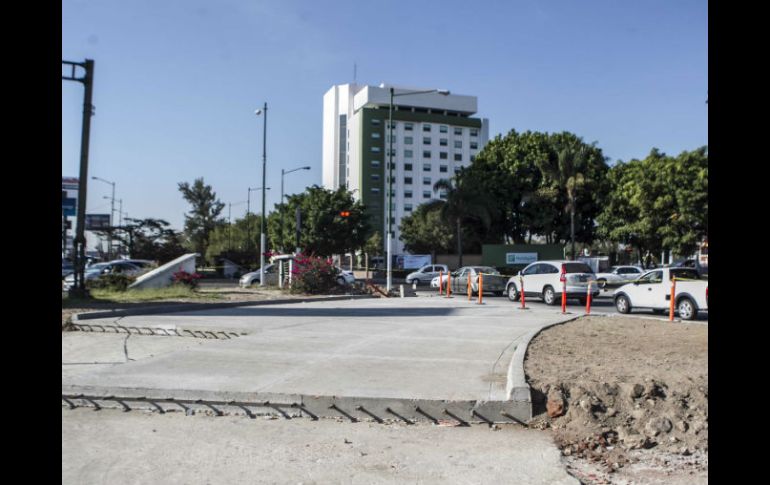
625	398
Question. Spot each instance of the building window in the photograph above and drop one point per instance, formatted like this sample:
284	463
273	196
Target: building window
474	132
375	190
393	126
426	128
407	207
442	195
443	128
443	168
408	126
392	153
474	145
375	134
443	155
426	181
426	194
408	154
457	170
408	167
473	158
375	164
407	194
458	157
426	154
458	143
458	131
375	176
426	167
376	149
443	142
426	140
376	122
408	140
407	180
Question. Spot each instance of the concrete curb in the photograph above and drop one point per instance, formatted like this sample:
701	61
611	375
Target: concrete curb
184	307
517	388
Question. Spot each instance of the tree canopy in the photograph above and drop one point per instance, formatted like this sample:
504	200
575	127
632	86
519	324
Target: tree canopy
204	216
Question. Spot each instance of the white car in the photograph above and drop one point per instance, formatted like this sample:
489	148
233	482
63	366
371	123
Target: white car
426	274
618	275
97	270
345	277
252	278
653	291
543	279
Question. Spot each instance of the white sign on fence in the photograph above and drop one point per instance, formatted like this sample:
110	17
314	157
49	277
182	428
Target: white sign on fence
520	258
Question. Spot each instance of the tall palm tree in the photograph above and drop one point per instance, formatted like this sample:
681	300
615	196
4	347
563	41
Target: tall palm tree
567	173
463	202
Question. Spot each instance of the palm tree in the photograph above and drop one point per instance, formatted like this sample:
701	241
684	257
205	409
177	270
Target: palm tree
463	202
567	173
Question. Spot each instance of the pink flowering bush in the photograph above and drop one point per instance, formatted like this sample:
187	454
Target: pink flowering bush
313	275
182	277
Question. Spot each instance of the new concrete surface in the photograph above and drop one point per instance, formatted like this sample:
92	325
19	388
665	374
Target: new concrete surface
119	448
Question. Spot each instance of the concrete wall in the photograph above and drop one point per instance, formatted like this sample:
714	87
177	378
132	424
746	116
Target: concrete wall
161	277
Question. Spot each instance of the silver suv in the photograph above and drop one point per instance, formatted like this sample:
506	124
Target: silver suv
426	274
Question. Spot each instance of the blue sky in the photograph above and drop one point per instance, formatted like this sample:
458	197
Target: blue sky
177	82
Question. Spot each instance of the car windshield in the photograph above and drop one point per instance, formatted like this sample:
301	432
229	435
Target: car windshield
485	270
577	268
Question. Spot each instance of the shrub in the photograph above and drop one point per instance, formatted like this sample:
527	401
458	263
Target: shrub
313	275
182	277
115	282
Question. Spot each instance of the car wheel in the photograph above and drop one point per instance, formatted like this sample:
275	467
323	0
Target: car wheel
549	297
686	309
622	304
602	283
513	293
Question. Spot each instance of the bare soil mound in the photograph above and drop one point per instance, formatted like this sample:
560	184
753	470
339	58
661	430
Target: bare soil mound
609	385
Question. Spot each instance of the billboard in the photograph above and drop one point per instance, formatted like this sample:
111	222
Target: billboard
95	222
520	258
413	261
68	206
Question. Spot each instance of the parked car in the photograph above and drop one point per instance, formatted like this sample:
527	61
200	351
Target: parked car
67	268
345	277
493	281
653	291
426	274
142	263
99	269
544	279
249	279
618	275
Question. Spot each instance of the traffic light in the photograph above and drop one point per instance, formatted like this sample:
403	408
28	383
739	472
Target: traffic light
344	214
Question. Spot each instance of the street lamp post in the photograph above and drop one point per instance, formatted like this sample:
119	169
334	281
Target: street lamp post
283	172
248	220
120	218
262	237
112	211
390	173
230	224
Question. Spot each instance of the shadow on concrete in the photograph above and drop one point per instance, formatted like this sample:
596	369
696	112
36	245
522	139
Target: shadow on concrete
269	311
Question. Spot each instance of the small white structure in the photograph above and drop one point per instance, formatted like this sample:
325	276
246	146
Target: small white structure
162	276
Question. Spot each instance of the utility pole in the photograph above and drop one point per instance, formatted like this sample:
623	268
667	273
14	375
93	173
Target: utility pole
79	289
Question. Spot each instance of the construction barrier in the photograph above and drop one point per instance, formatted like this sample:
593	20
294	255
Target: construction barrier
470	290
481	287
588	299
440	282
563	279
449	285
521	294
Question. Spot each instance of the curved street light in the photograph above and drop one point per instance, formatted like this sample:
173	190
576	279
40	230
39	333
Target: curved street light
443	92
262	238
284	172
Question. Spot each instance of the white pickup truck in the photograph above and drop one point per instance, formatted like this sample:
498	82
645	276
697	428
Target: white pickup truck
653	290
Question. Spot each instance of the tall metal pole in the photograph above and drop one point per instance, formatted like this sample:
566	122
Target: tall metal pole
390	191
280	207
79	287
112	221
248	221
229	227
262	237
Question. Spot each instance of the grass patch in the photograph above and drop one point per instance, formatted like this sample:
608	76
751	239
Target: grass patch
138	296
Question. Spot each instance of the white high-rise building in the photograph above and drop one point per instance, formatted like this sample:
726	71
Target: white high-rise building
433	136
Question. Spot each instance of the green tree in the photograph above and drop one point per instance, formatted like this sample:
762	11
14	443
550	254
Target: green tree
149	239
238	242
464	203
426	231
324	230
204	215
